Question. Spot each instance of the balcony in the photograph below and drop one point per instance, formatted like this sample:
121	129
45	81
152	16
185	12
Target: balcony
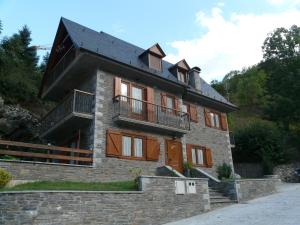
145	115
72	113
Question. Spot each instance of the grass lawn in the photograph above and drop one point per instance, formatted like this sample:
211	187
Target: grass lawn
75	186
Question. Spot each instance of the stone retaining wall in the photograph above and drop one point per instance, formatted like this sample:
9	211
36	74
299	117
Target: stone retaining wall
156	203
253	188
287	172
111	170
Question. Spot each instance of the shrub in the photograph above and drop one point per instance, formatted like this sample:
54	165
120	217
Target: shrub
224	171
5	177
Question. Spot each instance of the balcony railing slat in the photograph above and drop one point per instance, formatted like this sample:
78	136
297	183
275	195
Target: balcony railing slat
145	111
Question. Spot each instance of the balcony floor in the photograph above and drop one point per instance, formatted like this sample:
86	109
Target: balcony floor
134	123
68	126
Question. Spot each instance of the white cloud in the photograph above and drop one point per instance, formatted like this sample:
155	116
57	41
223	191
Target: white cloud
229	44
284	2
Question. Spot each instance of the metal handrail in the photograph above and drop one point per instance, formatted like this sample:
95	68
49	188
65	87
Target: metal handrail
150	112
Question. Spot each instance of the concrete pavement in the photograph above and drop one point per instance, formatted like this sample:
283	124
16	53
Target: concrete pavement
282	208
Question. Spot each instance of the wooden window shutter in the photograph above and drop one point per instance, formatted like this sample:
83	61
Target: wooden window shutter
150	102
117	86
113	143
193	113
189	153
208	157
163	101
224	125
207	117
152	149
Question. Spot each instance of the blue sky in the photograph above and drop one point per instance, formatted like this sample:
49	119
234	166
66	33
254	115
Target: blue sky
204	32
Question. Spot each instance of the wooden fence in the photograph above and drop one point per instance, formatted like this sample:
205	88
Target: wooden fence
45	153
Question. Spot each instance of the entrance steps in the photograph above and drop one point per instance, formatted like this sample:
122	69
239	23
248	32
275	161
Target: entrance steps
218	199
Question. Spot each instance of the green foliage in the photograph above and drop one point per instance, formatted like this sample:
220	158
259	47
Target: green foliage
20	75
136	172
260	142
8	157
224	171
187	166
5	177
75	186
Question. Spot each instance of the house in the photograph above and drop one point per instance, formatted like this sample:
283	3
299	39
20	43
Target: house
131	107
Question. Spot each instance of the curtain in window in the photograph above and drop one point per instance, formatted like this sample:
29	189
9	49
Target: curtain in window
124	91
217	121
200	156
137	106
126	146
194	160
138	147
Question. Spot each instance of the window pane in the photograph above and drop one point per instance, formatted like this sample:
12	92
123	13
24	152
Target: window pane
124	91
170	102
200	156
184	108
137	93
212	120
138	147
194	160
126	146
217	122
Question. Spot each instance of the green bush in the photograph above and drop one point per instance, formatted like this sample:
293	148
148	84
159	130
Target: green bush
224	171
5	177
260	142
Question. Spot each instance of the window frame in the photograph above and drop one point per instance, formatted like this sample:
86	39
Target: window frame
203	149
184	74
133	136
213	122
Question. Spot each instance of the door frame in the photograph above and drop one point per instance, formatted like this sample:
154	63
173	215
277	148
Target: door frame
166	152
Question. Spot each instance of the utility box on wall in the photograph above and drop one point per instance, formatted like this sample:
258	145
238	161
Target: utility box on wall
191	187
179	187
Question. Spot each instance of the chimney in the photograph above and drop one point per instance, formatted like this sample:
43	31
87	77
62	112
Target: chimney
194	78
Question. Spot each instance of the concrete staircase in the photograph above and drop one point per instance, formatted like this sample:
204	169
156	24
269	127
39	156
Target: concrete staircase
218	199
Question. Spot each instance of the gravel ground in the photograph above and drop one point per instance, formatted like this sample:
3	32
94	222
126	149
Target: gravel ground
282	208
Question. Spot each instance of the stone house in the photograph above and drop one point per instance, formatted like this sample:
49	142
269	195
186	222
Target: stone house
131	107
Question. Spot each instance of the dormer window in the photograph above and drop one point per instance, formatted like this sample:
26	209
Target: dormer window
155	62
182	76
153	57
180	71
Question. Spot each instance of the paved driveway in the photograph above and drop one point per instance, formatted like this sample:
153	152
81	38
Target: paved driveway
282	208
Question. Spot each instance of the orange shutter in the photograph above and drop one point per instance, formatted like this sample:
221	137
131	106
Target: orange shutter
117	86
152	149
224	125
113	143
208	157
150	104
163	101
189	153
207	118
193	113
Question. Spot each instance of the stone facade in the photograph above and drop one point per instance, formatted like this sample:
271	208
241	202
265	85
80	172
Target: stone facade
156	203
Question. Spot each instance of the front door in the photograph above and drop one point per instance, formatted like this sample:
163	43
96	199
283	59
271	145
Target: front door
174	155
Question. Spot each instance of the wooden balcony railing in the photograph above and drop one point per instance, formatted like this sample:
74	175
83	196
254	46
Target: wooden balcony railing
63	63
79	102
141	110
45	153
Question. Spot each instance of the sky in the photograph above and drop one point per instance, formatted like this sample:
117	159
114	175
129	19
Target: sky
216	35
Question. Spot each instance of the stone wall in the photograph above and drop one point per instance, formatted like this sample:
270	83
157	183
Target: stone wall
287	172
253	188
156	203
110	170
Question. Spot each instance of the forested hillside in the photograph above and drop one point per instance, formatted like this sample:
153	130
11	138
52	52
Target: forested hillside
267	126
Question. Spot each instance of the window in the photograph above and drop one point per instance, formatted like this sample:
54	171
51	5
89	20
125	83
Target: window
182	76
214	119
124	91
137	104
155	62
197	155
185	108
132	146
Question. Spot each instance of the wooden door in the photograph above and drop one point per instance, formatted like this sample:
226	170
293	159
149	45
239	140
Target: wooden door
174	155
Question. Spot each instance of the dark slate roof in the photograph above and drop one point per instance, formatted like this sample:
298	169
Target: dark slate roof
114	48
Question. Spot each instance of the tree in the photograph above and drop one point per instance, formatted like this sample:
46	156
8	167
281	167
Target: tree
282	63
